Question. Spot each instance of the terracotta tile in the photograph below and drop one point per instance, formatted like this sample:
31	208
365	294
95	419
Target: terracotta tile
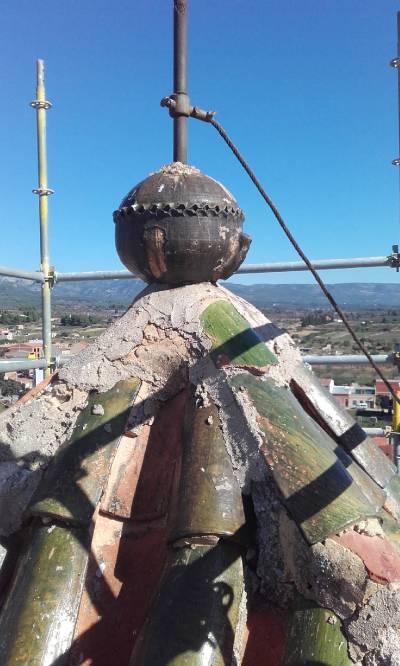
379	556
144	467
124	476
266	639
122	578
129	545
159	465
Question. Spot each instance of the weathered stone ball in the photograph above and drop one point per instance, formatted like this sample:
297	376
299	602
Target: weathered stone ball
180	226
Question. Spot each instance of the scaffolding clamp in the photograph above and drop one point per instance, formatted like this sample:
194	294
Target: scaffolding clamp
394	258
51	276
43	191
395	356
39	104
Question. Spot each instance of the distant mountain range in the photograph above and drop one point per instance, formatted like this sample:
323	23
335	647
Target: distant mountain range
15	292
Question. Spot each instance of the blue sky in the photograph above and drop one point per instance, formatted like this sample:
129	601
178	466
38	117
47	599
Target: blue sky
303	87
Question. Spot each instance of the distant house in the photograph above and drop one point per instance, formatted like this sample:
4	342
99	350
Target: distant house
342	395
30	350
352	395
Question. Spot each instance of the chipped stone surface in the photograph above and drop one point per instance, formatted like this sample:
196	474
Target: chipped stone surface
337	577
327	572
17	486
178	169
388	652
159	334
370	527
34	431
374	631
274	583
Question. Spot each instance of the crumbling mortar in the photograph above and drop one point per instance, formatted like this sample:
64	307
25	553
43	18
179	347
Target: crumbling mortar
30	435
336	579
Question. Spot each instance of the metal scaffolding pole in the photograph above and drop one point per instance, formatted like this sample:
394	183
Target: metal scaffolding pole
37	276
17	364
41	105
276	267
94	275
322	264
375	432
348	359
396	64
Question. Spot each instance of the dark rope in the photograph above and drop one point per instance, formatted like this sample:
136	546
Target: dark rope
306	260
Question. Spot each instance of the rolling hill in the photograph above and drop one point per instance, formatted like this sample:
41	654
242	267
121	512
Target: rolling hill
15	292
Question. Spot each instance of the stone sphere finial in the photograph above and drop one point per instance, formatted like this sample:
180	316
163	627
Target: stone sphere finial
179	226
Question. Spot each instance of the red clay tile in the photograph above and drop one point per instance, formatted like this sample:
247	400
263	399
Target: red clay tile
144	467
379	556
124	476
266	639
122	578
129	545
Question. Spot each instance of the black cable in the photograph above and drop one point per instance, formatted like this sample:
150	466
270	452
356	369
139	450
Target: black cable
306	260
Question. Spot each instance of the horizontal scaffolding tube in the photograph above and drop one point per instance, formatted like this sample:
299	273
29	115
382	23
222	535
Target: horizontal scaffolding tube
93	275
280	267
375	432
276	267
16	364
347	359
328	264
37	276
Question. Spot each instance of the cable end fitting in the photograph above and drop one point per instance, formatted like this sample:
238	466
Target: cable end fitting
179	105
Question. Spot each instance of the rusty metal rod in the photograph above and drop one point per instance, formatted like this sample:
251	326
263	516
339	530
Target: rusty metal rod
180	77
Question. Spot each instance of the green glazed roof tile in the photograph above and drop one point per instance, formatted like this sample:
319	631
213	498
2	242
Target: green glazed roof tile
74	481
199	596
319	492
315	636
392	491
38	619
233	340
209	497
346	430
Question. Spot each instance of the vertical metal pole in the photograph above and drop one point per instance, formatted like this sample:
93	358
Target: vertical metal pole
396	433
41	106
180	77
396	64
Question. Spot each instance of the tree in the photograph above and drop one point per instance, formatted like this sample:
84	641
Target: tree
316	318
9	387
76	319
